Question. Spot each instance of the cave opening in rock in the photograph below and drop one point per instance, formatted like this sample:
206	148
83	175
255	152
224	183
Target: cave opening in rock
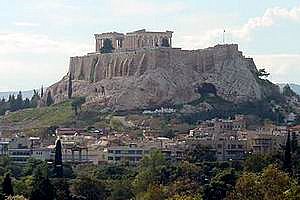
206	89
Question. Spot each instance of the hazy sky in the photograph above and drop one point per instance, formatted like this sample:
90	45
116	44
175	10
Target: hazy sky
37	37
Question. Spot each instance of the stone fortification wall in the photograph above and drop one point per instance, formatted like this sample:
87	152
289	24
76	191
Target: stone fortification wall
149	77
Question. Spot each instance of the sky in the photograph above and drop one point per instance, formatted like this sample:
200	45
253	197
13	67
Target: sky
37	37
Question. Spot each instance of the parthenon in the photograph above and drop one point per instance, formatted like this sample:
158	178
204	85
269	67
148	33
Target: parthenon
135	40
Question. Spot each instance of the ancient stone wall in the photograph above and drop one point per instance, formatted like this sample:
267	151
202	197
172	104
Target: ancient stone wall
148	77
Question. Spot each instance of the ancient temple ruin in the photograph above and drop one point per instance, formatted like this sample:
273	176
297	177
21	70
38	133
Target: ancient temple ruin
135	40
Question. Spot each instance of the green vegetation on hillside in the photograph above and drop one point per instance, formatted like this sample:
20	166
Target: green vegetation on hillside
40	117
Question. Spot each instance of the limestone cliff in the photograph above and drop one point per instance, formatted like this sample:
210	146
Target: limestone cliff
152	77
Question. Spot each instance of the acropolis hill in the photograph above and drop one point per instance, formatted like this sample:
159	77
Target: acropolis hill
144	70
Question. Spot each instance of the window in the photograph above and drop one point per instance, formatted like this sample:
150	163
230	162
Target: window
131	151
110	158
139	152
117	151
110	151
117	158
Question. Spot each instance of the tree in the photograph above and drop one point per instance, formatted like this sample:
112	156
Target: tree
199	153
151	169
34	99
42	91
70	89
58	167
294	144
222	183
287	154
121	191
257	162
76	104
43	190
35	166
116	124
262	73
49	100
23	186
89	187
26	103
19	101
61	187
107	46
271	184
12	103
154	192
7	186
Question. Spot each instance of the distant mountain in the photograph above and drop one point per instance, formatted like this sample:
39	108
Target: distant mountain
295	87
25	94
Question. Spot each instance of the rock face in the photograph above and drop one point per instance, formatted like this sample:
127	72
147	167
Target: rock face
153	77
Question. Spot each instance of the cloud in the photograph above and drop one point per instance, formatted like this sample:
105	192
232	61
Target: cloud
30	60
17	42
201	40
268	19
201	37
141	7
27	24
22	74
283	67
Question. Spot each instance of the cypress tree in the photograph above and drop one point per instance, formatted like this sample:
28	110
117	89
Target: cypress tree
7	186
294	142
42	91
70	90
58	167
49	100
287	154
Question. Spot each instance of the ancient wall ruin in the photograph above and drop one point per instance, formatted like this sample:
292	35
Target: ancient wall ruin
154	76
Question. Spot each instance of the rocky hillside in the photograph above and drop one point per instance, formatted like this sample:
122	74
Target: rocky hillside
162	76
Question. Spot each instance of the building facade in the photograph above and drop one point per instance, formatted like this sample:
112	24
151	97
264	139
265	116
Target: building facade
135	40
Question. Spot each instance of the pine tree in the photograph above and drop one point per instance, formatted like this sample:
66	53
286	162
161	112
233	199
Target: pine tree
12	103
58	167
7	186
49	100
26	103
70	90
287	154
34	99
19	101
